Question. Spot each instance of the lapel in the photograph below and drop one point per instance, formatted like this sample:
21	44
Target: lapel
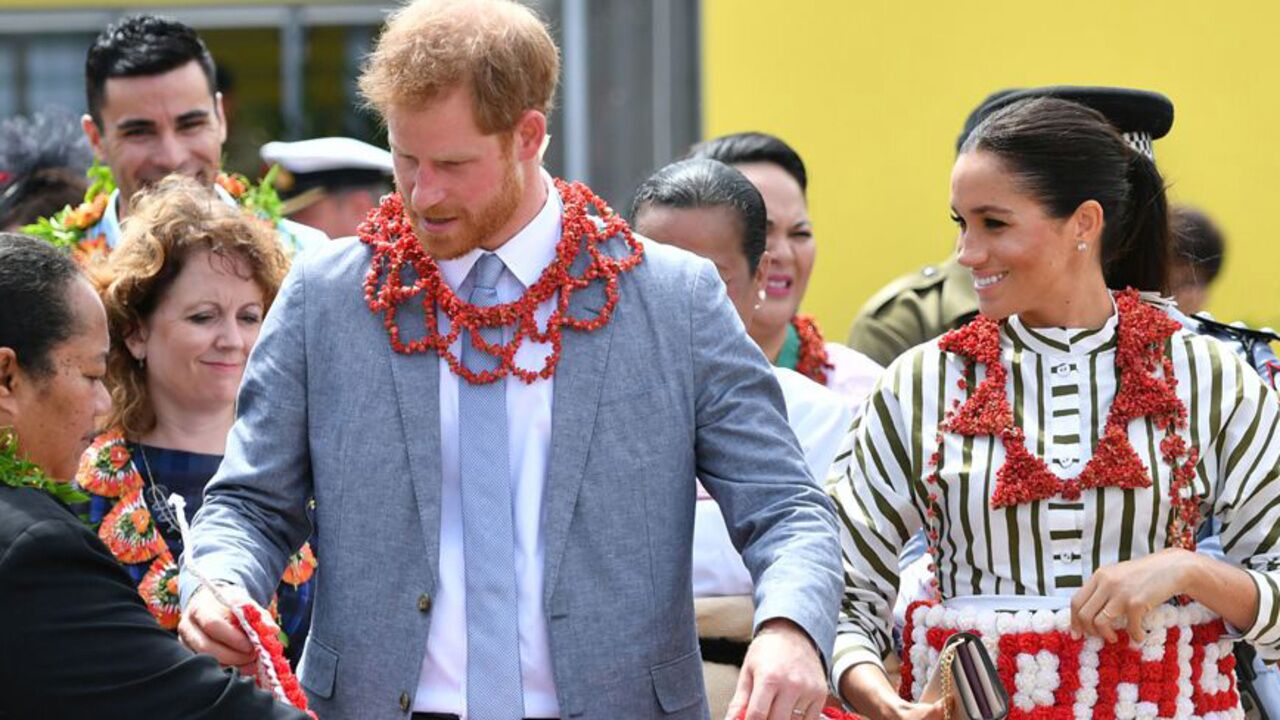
575	398
417	385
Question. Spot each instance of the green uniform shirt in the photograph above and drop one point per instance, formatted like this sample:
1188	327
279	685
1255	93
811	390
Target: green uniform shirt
914	309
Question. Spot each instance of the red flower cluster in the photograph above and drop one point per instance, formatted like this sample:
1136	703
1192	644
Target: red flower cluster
1204	702
288	682
388	231
812	360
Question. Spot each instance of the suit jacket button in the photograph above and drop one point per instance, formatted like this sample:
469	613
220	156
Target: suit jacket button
424	602
404	701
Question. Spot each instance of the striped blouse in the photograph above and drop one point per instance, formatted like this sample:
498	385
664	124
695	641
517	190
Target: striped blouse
1061	384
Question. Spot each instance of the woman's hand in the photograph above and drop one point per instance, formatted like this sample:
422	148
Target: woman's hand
1130	590
866	688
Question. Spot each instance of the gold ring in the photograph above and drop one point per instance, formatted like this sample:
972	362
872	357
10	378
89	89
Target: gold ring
1103	612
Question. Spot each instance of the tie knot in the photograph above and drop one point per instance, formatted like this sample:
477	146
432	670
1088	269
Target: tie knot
487	271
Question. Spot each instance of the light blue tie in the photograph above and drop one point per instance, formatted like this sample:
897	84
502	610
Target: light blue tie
494	688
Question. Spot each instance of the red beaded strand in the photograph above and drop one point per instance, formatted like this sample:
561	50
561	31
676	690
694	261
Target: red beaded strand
811	357
1141	334
395	247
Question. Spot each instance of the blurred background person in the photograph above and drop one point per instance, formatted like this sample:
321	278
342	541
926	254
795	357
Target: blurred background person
329	183
75	640
712	210
1196	260
43	159
185	293
788	338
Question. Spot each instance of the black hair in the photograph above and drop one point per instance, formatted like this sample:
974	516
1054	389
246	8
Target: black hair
703	183
1064	154
142	45
753	147
1197	241
35	315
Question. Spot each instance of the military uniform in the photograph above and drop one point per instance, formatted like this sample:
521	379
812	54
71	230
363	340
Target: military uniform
914	309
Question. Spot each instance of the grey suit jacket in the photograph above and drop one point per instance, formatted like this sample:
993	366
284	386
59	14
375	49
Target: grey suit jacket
671	388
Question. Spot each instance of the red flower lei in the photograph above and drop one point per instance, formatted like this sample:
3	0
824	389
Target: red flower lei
1141	333
812	360
395	247
274	673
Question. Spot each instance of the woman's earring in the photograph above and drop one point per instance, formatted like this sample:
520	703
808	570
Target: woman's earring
142	363
1081	246
760	297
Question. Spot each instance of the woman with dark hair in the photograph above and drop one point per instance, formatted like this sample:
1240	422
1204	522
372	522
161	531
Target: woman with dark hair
1060	453
75	639
788	338
185	294
712	210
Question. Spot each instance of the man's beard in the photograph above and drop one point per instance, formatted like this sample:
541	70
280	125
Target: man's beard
472	229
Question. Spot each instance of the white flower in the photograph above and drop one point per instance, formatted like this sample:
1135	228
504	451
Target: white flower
1087	696
1089	675
1126	710
1147	711
1022	621
1042	621
1127	692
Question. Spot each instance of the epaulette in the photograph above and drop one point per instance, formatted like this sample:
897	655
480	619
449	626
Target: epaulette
922	279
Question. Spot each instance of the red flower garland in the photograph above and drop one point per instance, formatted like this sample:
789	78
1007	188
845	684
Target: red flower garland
812	360
395	247
1141	334
288	682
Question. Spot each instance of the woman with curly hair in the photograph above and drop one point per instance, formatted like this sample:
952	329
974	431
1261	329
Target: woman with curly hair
185	293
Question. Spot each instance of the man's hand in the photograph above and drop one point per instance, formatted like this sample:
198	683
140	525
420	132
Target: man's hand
208	627
782	677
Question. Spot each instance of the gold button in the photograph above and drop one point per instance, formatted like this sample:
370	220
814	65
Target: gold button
424	602
404	701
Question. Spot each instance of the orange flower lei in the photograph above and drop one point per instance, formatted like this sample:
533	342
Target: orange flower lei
129	531
1141	333
395	247
811	357
69	228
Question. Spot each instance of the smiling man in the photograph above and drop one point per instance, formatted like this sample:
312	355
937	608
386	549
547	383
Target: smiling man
154	110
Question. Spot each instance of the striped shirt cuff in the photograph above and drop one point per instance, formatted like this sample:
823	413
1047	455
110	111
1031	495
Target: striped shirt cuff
1264	634
851	650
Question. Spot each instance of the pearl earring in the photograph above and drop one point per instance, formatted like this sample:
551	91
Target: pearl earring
1081	246
761	295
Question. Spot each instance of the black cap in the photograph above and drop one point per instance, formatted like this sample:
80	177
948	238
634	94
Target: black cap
1141	115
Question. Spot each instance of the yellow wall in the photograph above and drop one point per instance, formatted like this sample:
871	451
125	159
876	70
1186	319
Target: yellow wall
873	93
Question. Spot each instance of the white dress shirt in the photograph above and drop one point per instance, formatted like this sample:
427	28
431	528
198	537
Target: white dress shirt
820	418
442	683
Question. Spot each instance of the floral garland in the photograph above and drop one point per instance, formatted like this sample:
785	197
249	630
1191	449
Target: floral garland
273	668
16	472
1183	667
389	233
812	360
69	228
1141	334
129	530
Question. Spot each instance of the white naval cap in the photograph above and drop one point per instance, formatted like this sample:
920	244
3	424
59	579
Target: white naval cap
310	168
328	153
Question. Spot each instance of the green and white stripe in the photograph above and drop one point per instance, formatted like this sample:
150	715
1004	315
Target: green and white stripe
1061	383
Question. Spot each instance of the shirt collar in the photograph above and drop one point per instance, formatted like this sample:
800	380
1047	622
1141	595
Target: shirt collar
1064	341
526	254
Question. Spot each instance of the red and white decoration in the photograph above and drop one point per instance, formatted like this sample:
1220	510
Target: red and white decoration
1183	668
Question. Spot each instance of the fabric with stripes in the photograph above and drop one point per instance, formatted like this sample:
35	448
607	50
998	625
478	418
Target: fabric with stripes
1061	384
